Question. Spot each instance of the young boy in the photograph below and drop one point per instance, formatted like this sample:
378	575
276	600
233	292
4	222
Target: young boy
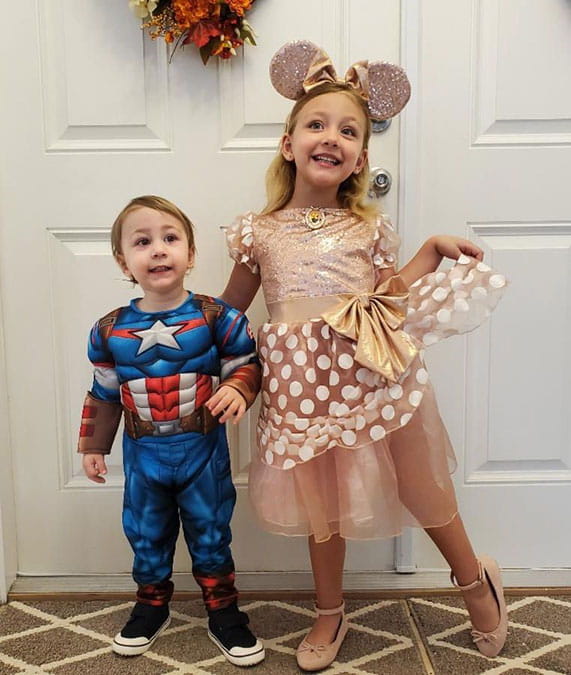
172	362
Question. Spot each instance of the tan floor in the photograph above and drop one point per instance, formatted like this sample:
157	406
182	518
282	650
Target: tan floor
395	636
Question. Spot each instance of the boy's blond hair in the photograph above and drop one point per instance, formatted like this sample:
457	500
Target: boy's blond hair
280	176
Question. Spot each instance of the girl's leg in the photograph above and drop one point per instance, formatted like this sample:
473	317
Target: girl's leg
452	541
327	561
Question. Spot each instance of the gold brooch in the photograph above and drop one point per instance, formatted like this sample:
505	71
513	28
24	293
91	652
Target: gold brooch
314	218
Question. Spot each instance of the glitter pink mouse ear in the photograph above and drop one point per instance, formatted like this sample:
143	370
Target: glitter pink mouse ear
300	66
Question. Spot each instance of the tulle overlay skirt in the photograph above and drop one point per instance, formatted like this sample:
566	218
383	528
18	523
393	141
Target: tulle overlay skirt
340	449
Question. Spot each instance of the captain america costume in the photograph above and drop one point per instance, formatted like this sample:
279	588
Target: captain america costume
159	368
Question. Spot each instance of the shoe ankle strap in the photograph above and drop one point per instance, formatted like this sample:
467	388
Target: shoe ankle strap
330	612
468	587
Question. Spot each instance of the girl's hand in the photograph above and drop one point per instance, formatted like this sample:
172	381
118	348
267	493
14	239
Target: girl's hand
454	247
228	401
94	466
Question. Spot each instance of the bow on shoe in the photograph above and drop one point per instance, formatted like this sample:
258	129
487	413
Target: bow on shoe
373	321
478	636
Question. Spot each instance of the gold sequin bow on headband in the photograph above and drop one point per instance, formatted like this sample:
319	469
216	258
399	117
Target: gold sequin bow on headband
300	66
374	321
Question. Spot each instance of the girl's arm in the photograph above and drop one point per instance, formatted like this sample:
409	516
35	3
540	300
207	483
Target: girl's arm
241	287
430	255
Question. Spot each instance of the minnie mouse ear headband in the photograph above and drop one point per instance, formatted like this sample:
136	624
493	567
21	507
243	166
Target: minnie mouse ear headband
300	66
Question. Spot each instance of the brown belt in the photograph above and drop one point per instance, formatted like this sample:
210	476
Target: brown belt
200	421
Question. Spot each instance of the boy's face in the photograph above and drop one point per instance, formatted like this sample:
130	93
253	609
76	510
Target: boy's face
155	250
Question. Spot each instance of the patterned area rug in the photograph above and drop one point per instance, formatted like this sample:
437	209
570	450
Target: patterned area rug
418	636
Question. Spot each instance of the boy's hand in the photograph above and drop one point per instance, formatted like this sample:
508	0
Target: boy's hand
94	466
229	402
454	247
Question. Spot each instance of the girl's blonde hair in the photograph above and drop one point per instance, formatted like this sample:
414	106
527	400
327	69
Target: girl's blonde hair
280	176
158	204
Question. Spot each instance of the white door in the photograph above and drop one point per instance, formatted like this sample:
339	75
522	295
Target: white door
93	115
494	165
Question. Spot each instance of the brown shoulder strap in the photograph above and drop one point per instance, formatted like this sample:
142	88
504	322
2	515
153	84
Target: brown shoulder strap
210	309
106	325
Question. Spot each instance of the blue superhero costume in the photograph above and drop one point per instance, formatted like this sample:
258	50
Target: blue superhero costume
159	368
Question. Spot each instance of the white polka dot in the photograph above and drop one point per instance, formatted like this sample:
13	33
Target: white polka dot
307	406
422	376
279	448
269	457
360	422
342	410
479	292
264	351
291	342
497	281
443	315
266	327
416	283
274	384
440	276
272	341
350	392
306	452
429	339
286	372
265	370
362	374
463	260
288	464
395	391
324	362
440	294
345	361
388	412
300	358
405	419
349	437
456	284
333	407
282	329
276	356
469	278
424	290
312	344
301	424
266	397
482	267
306	329
322	393
460	305
423	305
295	388
415	397
282	401
310	375
333	378
377	432
325	332
290	418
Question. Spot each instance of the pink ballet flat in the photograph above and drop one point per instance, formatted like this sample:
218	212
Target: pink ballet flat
316	657
490	644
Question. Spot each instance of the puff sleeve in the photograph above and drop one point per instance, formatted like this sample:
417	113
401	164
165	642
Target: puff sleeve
386	243
240	241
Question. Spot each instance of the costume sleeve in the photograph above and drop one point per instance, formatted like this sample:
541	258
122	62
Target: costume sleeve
240	366
386	243
102	406
240	241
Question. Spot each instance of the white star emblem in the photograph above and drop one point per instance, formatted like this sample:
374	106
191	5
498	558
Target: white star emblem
157	334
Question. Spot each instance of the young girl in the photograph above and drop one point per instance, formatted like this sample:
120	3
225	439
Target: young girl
159	361
351	444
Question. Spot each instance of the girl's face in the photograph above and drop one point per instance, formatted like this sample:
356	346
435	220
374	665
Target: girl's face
327	141
155	251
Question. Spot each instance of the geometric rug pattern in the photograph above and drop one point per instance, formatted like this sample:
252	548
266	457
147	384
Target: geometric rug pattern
417	636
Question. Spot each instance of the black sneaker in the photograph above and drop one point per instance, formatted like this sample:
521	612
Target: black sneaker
143	627
228	629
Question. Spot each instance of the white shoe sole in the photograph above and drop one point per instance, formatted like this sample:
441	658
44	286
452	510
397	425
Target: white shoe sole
251	659
127	649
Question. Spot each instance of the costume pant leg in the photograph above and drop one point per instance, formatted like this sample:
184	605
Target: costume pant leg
150	517
206	503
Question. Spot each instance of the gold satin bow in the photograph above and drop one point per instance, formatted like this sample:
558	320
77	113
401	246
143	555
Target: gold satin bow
373	321
322	70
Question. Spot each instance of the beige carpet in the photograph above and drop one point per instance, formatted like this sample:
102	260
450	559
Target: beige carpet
413	636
